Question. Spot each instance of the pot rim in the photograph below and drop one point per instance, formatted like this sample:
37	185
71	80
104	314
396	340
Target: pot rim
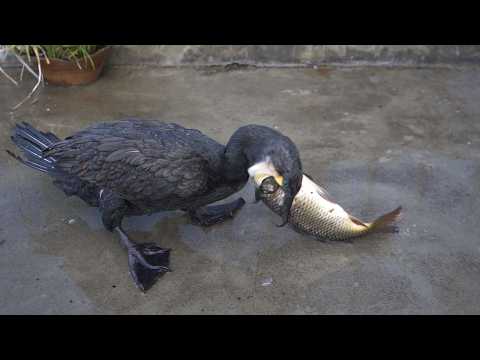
93	56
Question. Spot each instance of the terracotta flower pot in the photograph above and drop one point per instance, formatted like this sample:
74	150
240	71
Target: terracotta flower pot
63	72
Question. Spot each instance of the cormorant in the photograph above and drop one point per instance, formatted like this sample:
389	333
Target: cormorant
136	167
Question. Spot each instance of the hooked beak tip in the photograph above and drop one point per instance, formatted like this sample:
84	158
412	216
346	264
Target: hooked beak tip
286	208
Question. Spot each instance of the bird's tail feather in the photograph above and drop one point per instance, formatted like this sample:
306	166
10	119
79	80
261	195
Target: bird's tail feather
33	142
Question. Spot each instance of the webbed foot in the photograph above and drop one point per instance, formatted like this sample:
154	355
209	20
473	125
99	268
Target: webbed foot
147	262
147	268
215	214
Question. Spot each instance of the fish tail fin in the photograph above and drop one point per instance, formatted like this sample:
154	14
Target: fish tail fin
385	222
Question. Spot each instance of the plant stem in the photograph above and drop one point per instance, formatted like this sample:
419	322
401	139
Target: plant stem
8	76
40	79
27	66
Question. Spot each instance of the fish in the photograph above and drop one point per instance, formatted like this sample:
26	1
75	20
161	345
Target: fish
315	213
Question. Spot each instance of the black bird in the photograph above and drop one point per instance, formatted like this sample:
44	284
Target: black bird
136	167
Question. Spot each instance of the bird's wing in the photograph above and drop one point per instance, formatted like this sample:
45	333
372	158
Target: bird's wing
134	168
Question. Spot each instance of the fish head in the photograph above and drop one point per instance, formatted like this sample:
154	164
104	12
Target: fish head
270	192
268	186
276	189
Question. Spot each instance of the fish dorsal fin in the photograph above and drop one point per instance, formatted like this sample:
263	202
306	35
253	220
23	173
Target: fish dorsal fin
357	221
320	190
308	176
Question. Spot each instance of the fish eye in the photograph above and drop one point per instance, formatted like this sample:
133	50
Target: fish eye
269	185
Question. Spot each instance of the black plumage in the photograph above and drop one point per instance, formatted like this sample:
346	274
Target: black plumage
135	167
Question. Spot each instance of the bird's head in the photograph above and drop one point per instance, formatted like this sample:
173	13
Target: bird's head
279	157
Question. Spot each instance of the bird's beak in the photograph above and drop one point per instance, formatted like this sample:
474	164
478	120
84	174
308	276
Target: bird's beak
257	195
287	204
285	211
290	187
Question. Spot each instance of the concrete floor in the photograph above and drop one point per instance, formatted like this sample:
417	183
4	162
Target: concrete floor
374	137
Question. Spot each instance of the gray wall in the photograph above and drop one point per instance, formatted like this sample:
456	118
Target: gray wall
173	55
293	55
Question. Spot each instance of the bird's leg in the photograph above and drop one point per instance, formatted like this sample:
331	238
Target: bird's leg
214	214
147	261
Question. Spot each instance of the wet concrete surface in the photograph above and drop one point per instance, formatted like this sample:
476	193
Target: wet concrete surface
374	137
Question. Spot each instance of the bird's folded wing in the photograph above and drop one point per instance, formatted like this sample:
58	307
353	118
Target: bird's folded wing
133	168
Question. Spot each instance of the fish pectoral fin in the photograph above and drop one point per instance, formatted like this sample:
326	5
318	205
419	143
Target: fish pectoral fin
357	221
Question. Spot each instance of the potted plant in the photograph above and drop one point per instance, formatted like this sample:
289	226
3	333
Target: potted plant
59	64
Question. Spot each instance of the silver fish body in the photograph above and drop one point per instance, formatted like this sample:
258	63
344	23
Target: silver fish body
313	213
